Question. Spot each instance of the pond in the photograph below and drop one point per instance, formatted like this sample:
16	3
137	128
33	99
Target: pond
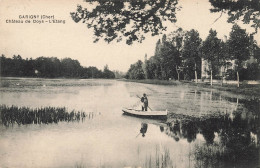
205	128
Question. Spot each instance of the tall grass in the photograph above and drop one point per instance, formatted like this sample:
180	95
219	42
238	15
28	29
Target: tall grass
209	155
44	115
161	159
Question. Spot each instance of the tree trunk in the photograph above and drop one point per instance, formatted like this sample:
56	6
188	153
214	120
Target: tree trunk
196	77
178	72
237	79
161	71
211	78
222	76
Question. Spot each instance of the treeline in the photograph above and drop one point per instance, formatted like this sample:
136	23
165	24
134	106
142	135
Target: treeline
50	68
183	55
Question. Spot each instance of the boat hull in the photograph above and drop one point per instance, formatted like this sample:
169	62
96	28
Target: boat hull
145	114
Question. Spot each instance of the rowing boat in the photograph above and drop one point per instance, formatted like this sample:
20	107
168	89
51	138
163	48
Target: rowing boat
141	113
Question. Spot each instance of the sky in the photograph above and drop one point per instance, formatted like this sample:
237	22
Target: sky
74	40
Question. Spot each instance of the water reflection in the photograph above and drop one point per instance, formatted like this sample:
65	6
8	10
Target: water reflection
143	129
227	141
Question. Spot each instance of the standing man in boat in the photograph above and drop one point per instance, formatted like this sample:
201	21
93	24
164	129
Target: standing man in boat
144	100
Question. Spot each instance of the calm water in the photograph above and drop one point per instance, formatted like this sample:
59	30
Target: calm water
107	138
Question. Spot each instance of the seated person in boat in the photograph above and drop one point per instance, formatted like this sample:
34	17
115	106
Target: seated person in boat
144	100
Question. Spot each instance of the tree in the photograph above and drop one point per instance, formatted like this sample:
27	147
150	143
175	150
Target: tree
119	74
107	73
162	57
166	58
29	68
5	65
93	72
246	10
156	61
177	40
136	71
151	68
115	19
191	49
49	68
210	52
224	59
70	67
145	67
169	60
239	43
18	66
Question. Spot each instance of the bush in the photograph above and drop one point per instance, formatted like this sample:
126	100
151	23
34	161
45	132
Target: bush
252	72
231	74
4	84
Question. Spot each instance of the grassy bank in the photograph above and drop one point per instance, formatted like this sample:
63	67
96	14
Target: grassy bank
244	89
155	81
252	91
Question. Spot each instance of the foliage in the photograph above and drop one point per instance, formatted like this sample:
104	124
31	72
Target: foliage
231	74
176	38
166	59
49	68
114	19
225	58
211	51
246	10
191	52
256	51
119	74
239	44
135	71
178	55
252	72
107	73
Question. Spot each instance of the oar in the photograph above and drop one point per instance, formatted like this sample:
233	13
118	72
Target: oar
138	96
147	106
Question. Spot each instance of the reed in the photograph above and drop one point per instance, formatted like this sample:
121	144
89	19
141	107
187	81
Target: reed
160	160
44	115
209	153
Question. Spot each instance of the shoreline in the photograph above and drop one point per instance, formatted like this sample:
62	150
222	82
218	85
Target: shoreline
248	90
251	91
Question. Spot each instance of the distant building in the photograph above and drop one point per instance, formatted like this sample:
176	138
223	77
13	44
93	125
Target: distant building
231	64
205	71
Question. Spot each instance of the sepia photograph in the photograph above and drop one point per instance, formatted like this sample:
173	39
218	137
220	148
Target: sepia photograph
129	84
